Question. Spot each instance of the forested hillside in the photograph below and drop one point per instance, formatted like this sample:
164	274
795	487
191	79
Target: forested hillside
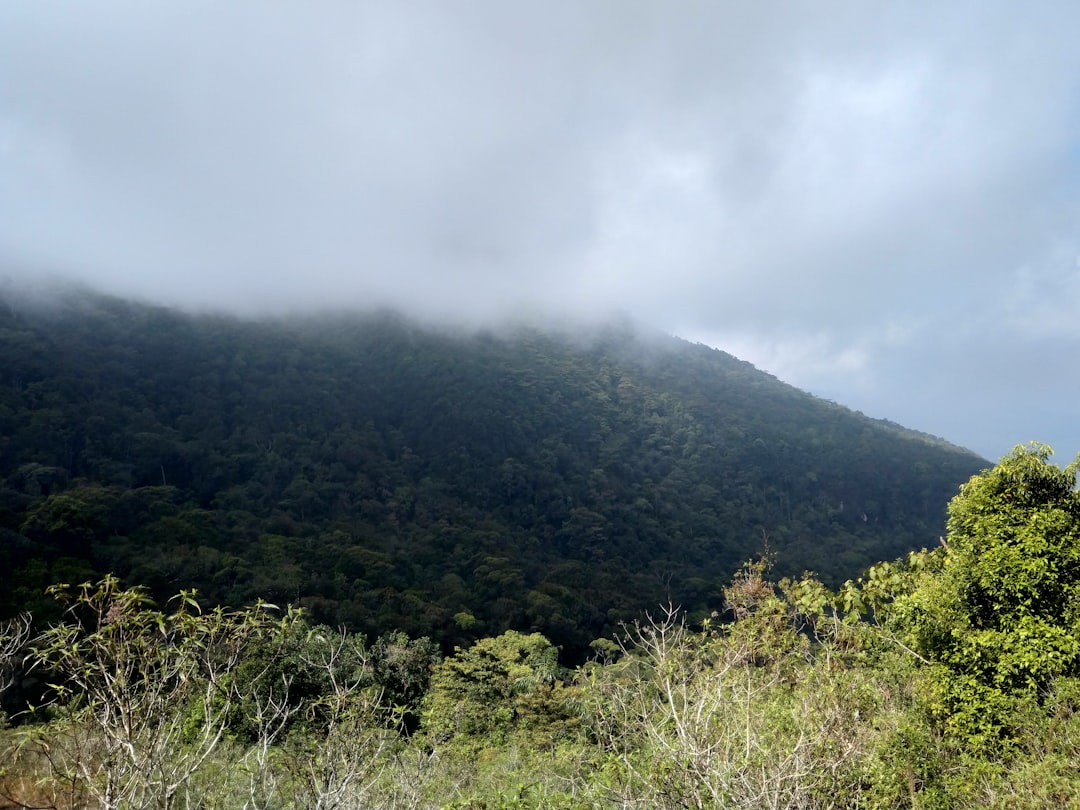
452	484
947	680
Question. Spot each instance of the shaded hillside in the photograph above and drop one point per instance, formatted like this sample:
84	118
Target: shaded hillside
387	475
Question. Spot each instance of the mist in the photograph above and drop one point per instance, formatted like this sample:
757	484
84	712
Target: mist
877	205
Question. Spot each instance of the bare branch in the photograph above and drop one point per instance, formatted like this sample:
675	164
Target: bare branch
14	634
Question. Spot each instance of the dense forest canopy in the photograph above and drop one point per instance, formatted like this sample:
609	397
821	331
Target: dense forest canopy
947	680
451	483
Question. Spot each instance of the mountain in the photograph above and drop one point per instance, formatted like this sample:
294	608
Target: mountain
385	474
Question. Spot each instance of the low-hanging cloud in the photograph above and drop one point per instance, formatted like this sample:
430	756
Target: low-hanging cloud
872	202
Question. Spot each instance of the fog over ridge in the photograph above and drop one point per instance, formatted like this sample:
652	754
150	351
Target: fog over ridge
877	205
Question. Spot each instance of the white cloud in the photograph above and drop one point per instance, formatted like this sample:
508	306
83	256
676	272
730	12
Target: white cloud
801	360
844	192
1044	298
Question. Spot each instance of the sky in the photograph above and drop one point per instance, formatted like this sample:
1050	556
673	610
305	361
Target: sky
876	202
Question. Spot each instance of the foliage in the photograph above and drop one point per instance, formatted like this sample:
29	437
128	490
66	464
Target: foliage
998	606
142	696
745	716
790	696
385	476
495	690
402	671
333	761
447	484
14	634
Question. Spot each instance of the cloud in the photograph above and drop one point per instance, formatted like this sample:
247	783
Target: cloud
802	180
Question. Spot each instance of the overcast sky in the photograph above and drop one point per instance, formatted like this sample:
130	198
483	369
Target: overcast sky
879	203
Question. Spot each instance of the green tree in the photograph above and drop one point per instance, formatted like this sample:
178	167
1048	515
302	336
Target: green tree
143	696
997	609
402	670
481	695
334	760
749	714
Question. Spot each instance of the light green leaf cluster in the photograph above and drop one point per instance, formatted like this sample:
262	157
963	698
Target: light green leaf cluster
999	604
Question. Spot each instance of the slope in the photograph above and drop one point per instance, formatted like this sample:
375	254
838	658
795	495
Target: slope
452	483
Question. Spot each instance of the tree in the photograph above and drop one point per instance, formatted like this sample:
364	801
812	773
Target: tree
14	634
749	714
481	695
143	696
336	759
998	606
402	670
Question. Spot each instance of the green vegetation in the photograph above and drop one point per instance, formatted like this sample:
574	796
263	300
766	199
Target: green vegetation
462	530
452	485
946	680
998	608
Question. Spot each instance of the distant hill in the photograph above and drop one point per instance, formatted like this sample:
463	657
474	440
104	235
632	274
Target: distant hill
388	475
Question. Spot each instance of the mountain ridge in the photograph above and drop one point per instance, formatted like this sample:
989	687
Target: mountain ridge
388	474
